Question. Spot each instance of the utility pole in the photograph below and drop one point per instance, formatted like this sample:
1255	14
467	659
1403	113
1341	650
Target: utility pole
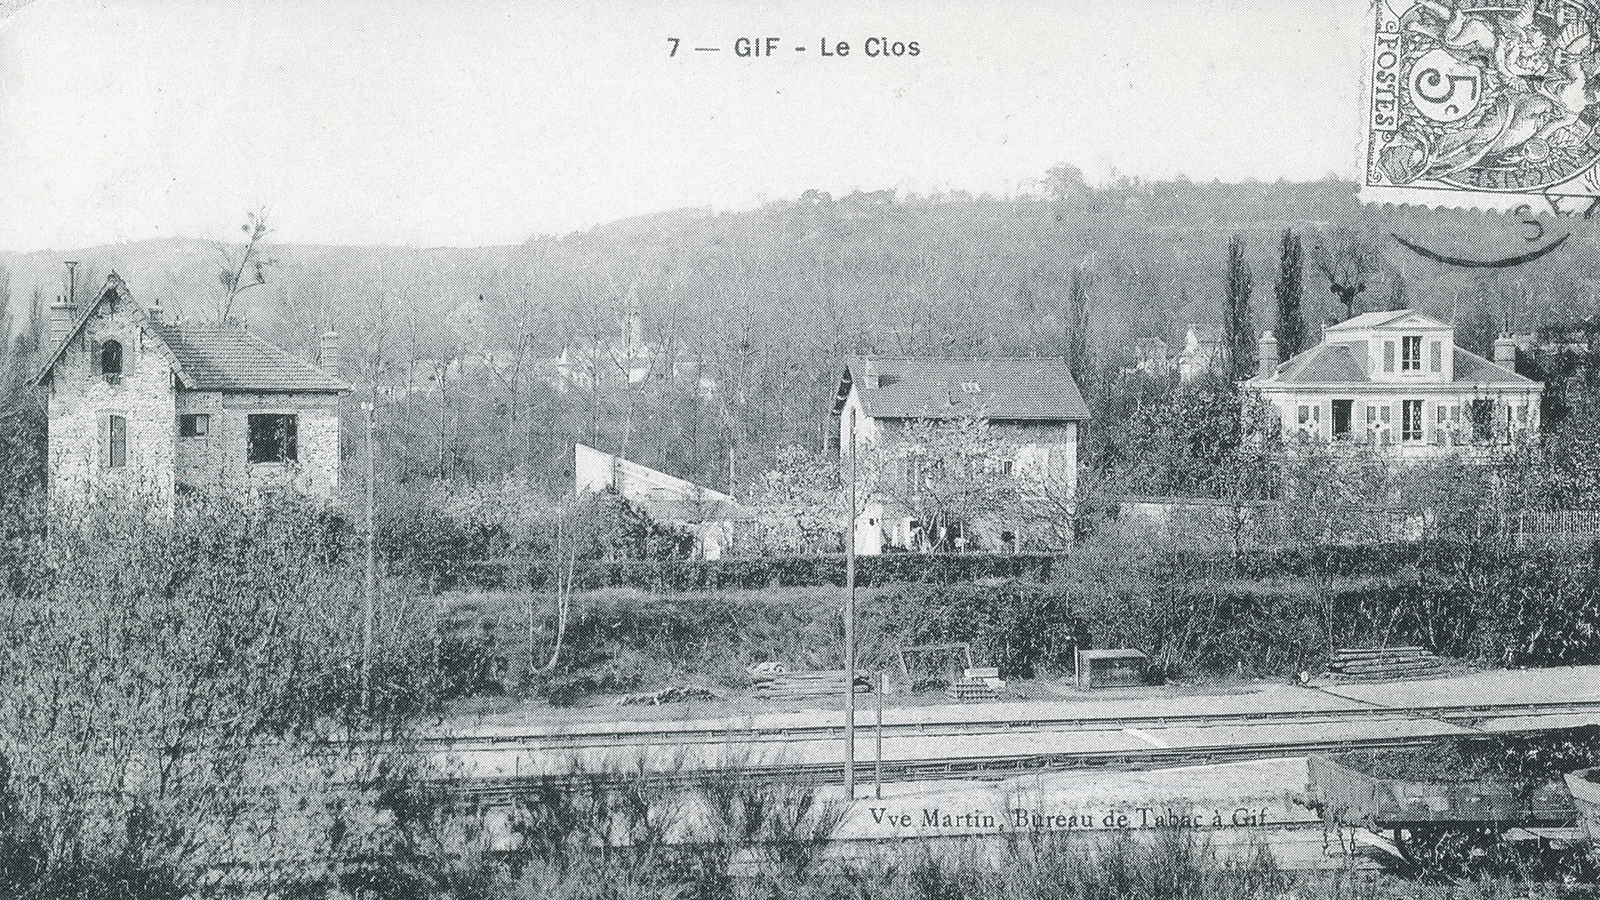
850	625
371	585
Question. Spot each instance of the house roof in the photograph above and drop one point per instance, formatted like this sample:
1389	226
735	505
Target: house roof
1381	318
228	358
1007	388
213	357
1325	363
1347	364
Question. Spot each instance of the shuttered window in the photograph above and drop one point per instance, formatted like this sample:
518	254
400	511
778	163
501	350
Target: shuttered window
1388	356
113	441
1435	357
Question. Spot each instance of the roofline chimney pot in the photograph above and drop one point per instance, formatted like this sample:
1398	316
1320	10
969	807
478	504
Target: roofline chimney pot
1266	355
328	351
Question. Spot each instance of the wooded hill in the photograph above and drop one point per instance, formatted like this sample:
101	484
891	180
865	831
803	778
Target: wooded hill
758	307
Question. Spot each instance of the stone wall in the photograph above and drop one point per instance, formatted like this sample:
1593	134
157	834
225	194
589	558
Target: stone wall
80	403
221	456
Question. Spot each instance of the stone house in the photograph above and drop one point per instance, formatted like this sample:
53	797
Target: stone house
1032	405
141	405
1397	380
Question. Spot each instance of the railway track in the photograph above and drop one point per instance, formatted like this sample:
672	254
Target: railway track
506	789
503	788
1467	715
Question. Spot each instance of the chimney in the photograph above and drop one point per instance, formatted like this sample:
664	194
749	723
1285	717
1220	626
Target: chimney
152	312
1266	355
328	355
1505	351
62	314
869	374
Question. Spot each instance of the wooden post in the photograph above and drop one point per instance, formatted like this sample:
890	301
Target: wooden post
850	627
877	754
368	604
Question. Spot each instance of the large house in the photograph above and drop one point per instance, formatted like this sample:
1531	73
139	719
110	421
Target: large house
1397	379
139	404
1032	405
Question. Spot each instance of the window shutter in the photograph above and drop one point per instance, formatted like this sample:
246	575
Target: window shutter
1388	356
130	353
1435	357
105	441
94	358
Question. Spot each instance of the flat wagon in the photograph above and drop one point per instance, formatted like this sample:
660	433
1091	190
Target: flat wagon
1447	825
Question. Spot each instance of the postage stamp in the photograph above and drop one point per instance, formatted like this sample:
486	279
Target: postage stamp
1482	104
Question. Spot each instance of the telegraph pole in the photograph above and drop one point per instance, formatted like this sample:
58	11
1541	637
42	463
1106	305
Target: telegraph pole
850	626
371	586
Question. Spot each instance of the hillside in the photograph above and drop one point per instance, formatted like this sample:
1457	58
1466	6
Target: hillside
765	302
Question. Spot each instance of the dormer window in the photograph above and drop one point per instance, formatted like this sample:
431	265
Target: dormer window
1411	353
970	387
111	359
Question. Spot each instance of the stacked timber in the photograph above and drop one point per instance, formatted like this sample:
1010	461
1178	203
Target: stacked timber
1382	662
806	685
967	690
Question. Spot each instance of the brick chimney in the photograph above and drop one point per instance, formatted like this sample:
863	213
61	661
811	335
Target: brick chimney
153	312
328	353
1266	355
869	375
1505	351
62	315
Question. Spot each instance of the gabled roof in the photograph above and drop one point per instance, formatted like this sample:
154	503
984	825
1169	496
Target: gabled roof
212	357
114	288
1382	318
1004	388
228	358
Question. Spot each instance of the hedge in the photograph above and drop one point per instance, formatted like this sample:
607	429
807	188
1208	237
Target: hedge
913	568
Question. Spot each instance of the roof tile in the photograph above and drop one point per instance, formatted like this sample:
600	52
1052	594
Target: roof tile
228	358
1006	388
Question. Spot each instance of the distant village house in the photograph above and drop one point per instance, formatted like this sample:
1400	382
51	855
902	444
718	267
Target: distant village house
1032	404
142	405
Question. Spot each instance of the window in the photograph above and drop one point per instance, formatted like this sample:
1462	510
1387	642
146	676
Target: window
1006	467
111	358
116	453
1411	420
194	425
1482	415
970	387
273	438
1341	419
1411	353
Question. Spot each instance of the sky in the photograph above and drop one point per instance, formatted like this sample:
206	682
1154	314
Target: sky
484	122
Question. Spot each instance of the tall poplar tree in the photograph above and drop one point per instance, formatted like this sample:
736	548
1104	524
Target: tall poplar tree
1291	317
1238	331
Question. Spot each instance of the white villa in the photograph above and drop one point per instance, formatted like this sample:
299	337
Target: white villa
1397	379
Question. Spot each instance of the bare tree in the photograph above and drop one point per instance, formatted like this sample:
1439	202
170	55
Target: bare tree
240	268
1347	260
